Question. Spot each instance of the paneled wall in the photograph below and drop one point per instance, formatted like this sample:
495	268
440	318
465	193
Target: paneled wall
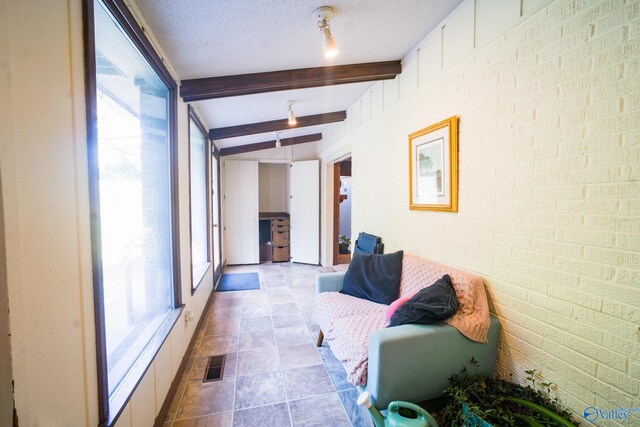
549	195
46	221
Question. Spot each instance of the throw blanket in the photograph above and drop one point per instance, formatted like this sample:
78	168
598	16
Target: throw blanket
347	321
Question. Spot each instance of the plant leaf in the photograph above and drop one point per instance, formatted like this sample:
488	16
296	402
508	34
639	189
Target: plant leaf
542	410
528	420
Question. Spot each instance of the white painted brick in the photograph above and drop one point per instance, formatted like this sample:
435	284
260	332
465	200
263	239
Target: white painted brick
551	304
620	345
587	343
630	242
621	16
563	353
572	295
605	322
609	290
618	379
612	257
634	369
634	29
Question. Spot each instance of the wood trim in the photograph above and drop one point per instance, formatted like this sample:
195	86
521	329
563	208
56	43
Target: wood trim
217	273
270	144
207	156
94	208
336	211
130	26
276	125
273	81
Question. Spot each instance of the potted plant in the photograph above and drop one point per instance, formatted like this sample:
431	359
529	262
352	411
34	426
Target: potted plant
343	246
486	402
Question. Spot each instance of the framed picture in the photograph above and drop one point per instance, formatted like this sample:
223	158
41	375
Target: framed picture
433	167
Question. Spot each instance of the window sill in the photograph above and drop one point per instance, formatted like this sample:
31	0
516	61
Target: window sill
198	274
121	397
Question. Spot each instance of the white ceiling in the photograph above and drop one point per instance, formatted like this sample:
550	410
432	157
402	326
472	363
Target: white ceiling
205	38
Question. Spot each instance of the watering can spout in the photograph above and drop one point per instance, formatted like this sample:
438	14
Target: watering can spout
378	419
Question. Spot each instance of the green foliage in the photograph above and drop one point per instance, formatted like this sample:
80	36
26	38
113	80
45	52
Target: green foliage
502	403
345	239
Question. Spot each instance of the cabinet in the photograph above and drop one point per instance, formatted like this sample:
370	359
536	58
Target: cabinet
274	237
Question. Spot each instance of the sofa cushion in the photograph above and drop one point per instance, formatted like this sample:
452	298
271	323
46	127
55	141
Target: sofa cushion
430	305
374	277
394	306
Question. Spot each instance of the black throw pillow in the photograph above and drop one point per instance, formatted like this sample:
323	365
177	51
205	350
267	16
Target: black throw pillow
429	305
374	277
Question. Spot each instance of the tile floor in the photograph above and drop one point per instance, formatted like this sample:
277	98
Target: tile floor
274	374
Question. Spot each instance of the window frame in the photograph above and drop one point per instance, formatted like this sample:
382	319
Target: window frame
207	155
109	410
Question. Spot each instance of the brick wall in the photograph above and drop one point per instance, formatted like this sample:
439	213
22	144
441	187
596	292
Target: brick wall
548	94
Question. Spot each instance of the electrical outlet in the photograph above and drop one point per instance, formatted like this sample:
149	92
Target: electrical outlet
188	316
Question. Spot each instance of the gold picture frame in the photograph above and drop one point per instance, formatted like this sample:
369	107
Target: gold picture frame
433	167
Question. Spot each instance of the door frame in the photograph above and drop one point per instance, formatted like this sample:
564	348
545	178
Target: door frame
337	173
217	272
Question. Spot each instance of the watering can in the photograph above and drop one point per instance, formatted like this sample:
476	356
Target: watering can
399	414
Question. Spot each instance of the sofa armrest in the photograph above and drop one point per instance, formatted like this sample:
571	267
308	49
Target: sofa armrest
414	362
329	282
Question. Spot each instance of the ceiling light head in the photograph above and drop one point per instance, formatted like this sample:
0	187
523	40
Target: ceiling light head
292	121
278	143
322	16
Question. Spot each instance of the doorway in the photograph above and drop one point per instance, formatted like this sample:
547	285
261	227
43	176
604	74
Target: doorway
342	212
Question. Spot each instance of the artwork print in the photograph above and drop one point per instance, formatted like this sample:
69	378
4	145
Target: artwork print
430	168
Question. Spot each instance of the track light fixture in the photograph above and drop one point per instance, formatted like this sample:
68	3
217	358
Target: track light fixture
278	143
292	117
322	15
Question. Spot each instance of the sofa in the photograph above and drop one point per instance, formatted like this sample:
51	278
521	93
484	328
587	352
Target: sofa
408	362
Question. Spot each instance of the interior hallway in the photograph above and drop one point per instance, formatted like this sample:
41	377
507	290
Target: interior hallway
274	374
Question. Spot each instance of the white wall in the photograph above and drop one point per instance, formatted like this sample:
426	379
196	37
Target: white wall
549	210
274	187
6	388
345	207
46	220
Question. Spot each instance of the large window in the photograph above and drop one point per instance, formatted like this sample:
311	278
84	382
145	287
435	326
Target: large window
131	112
199	166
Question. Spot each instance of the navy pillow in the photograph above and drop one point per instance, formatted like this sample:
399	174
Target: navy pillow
430	305
374	277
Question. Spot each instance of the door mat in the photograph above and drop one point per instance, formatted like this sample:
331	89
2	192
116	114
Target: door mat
238	282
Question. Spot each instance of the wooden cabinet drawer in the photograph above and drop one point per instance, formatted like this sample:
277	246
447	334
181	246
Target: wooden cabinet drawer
279	228
280	238
283	221
280	254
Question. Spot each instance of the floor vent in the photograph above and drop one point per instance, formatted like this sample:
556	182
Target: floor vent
214	369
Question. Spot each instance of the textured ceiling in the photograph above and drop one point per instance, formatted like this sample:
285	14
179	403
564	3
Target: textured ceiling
205	38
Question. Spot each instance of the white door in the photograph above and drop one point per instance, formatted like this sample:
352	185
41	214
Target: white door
305	212
241	196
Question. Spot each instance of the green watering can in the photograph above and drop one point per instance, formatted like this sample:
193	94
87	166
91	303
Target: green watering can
399	414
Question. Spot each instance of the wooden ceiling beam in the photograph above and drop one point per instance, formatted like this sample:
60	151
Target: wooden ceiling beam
276	125
273	81
270	144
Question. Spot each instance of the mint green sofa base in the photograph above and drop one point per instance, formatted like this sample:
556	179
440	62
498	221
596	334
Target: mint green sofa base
414	362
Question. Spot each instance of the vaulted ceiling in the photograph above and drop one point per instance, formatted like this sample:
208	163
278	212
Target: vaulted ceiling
205	38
